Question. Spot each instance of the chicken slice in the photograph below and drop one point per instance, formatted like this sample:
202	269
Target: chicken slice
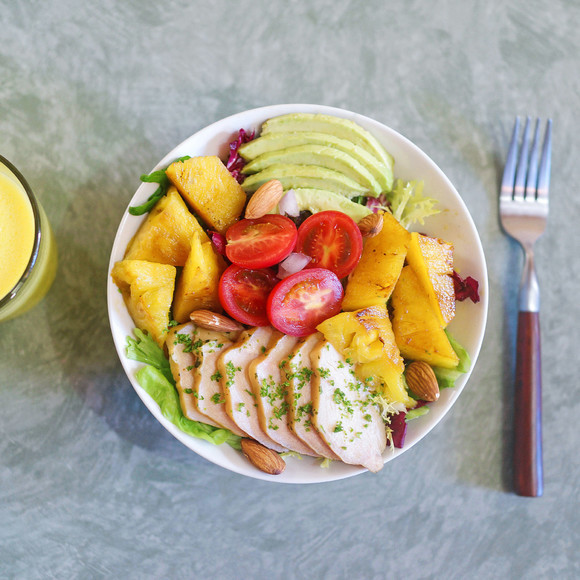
344	412
182	361
298	375
211	400
271	390
241	403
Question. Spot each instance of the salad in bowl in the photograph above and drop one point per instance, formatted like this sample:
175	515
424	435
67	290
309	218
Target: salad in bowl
297	293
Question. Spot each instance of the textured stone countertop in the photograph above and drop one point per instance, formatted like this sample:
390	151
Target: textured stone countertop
94	93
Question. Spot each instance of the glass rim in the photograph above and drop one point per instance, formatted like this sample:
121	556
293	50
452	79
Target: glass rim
37	232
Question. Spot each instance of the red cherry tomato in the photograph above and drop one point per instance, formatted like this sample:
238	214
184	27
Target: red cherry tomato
243	294
261	242
333	241
303	300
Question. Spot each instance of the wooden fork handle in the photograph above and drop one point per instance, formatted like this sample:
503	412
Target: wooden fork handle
528	408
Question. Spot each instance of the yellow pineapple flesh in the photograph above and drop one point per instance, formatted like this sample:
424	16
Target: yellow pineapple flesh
147	288
377	272
165	235
416	326
209	189
366	338
432	261
197	286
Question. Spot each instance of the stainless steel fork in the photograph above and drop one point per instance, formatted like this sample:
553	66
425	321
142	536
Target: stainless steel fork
523	207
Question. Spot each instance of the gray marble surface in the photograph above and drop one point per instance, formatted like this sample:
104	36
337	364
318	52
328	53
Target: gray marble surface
92	94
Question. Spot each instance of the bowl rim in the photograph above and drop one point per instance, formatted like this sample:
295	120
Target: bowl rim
229	458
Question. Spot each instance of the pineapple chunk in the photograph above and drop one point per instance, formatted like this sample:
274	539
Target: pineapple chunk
377	272
432	261
197	286
209	189
418	332
366	338
147	288
165	236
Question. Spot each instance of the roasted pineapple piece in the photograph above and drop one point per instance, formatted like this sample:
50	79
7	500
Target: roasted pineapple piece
377	272
418	332
197	286
432	261
165	236
366	338
209	189
147	288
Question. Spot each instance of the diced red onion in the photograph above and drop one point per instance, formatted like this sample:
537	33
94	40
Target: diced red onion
289	204
219	242
295	262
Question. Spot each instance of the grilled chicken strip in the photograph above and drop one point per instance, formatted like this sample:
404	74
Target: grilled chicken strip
271	390
182	360
298	376
241	403
344	411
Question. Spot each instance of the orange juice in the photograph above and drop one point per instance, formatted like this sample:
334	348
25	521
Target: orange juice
27	249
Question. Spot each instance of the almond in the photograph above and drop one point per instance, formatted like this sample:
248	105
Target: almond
265	199
422	381
263	458
371	225
213	321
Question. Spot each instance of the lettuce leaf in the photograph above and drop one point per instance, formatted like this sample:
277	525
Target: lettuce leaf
164	394
447	377
157	380
144	349
408	204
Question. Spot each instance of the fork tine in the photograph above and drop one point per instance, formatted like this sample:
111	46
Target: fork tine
509	172
532	179
522	168
545	163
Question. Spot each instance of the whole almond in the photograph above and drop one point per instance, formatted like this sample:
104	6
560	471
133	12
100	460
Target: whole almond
265	199
422	381
371	225
263	458
213	321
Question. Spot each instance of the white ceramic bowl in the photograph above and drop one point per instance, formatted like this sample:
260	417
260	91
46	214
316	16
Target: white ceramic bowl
453	223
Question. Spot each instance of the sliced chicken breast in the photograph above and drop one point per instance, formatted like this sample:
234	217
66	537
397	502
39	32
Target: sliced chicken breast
271	390
344	412
298	375
241	404
182	361
211	400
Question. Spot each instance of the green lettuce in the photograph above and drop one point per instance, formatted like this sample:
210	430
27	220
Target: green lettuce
408	204
447	377
156	379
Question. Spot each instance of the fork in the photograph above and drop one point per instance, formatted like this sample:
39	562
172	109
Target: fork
523	208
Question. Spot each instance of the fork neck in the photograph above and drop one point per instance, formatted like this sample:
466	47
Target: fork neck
529	297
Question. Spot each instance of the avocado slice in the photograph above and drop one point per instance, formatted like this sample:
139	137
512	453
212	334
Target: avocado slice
309	176
315	200
337	126
322	155
382	172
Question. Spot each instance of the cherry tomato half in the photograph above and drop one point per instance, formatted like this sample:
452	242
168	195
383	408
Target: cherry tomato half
333	241
260	242
243	294
303	300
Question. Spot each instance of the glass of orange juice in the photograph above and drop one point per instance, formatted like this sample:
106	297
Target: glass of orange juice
28	256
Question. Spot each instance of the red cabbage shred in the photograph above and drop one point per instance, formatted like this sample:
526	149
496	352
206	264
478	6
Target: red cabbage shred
465	288
236	162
